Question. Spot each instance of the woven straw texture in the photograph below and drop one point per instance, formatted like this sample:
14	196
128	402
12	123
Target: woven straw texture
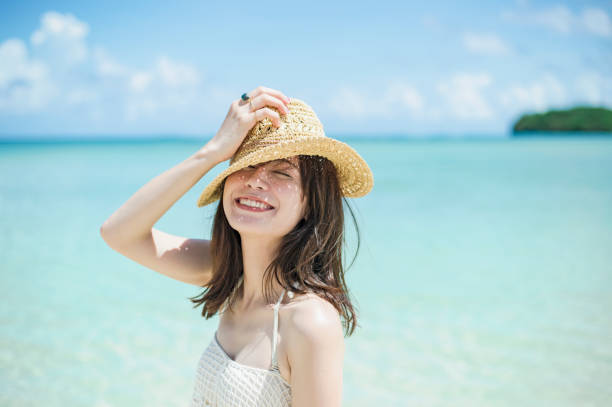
301	132
222	382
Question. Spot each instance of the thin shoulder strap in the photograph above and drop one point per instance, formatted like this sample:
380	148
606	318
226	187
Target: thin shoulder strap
274	333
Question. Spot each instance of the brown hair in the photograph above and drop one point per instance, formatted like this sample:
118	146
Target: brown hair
309	256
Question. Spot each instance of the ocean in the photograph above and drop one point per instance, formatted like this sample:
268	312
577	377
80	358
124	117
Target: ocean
484	276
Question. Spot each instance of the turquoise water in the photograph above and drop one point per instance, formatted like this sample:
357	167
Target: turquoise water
484	278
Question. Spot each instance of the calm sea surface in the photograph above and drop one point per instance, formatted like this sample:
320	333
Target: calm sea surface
484	277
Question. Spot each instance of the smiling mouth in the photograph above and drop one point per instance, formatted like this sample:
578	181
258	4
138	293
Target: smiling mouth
251	205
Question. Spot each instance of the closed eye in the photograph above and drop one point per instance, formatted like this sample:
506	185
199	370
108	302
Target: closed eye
254	167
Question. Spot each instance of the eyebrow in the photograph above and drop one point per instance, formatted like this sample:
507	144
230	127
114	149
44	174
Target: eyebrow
288	162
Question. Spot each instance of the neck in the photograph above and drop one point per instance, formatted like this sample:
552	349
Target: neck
257	254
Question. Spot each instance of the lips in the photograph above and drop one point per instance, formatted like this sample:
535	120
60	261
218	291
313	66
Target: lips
252	204
254	198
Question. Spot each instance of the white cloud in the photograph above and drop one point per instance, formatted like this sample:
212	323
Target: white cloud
167	73
14	63
24	82
168	85
594	88
558	18
561	19
396	99
597	22
140	81
105	65
61	38
142	107
59	25
81	95
540	95
349	103
488	44
62	70
463	94
407	96
175	74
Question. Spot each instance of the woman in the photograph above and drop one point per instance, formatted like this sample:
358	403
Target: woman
278	229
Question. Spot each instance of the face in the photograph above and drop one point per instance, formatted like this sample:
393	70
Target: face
265	199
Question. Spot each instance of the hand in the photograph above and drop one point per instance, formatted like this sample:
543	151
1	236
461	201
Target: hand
240	119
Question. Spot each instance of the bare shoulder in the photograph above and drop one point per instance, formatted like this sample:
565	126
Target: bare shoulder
313	322
309	311
315	352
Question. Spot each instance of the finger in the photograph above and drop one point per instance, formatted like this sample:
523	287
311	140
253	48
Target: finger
269	100
276	93
267	112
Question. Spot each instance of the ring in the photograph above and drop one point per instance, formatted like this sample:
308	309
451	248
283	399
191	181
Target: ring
245	97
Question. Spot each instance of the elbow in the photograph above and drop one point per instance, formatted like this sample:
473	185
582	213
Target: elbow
103	228
105	234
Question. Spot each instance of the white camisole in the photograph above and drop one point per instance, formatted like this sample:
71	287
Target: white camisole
223	382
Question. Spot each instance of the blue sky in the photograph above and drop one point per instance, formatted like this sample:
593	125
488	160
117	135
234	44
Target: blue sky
417	68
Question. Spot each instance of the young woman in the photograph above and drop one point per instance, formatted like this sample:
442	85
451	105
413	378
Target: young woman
273	268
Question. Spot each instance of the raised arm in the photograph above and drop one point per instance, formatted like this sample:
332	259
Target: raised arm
129	230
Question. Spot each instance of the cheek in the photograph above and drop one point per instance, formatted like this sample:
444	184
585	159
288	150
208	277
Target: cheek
286	190
235	178
292	195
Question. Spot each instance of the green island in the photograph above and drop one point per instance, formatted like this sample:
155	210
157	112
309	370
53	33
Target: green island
577	119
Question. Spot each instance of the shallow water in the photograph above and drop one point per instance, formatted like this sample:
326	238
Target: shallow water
484	277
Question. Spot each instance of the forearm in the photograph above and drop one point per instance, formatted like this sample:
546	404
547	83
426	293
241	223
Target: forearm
136	217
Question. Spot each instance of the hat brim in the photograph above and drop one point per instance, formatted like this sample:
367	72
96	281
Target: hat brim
354	175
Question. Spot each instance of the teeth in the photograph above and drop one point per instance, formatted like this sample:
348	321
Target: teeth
254	204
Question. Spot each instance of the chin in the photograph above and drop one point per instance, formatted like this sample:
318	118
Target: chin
257	227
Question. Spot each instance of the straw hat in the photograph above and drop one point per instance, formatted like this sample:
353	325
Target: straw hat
300	132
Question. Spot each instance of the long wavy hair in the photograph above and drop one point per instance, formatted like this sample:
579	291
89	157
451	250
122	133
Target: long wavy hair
310	257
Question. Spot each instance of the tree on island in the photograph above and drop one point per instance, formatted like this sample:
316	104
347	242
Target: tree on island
580	119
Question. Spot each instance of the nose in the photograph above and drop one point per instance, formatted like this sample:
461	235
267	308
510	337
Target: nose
258	179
